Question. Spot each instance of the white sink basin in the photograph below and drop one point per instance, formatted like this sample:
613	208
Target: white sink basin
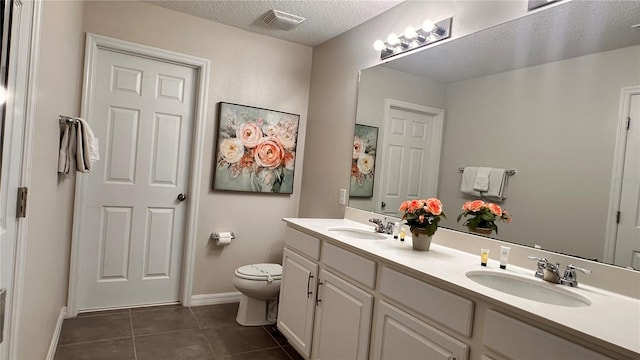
357	233
532	289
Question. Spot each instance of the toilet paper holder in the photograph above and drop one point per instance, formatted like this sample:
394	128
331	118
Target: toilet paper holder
216	236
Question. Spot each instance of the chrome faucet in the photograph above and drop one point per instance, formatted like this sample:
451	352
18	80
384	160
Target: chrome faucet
378	223
542	262
570	277
381	227
551	272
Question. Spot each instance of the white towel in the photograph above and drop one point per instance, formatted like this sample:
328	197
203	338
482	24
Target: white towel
468	177
498	179
91	145
63	153
481	182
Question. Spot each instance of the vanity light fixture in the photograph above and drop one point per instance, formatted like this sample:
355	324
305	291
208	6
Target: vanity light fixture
412	39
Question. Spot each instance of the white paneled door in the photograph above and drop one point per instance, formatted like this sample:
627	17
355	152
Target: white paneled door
628	239
411	154
131	249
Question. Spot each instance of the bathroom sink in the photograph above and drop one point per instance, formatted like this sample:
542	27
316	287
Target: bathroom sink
357	233
531	289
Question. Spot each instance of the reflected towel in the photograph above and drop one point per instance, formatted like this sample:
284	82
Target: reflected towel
468	178
481	182
498	180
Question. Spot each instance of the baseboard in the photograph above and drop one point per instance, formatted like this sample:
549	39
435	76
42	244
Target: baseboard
56	334
214	299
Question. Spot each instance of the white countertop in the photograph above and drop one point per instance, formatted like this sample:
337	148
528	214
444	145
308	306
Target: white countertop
610	317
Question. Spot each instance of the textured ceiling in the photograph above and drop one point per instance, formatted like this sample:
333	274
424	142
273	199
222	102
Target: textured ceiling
325	19
564	31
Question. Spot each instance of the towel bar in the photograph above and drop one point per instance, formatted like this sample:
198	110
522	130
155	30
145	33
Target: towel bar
509	172
63	119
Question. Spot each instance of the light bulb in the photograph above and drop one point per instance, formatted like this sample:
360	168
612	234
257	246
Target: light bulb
410	33
428	25
393	39
379	45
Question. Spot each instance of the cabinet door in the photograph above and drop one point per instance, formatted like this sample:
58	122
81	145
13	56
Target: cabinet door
343	320
297	300
402	336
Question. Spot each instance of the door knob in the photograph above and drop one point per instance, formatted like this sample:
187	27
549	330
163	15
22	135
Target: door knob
383	205
182	197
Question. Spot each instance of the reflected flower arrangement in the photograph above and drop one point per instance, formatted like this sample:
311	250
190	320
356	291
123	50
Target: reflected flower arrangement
256	149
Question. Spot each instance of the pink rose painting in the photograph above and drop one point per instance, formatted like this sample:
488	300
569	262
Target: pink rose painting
365	143
256	149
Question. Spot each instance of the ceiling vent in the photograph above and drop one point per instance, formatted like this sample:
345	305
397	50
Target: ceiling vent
281	20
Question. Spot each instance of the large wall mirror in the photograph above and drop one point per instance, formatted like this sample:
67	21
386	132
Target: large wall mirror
544	95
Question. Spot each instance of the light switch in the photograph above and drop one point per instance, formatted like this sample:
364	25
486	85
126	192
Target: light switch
343	197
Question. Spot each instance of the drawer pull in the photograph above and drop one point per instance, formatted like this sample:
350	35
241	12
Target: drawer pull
318	300
309	285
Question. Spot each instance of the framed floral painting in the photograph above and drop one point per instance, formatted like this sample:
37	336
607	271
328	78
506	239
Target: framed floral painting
365	143
256	149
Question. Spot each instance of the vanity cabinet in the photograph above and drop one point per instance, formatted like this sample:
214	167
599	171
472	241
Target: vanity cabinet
325	316
343	319
297	302
337	301
515	339
400	335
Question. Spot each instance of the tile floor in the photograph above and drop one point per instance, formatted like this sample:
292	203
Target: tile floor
171	333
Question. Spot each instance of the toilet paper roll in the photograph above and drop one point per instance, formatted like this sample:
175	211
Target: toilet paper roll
224	238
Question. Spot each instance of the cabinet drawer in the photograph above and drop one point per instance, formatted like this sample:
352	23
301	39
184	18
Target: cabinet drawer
518	340
352	265
303	243
450	310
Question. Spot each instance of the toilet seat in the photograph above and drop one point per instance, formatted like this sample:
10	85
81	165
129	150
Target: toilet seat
260	272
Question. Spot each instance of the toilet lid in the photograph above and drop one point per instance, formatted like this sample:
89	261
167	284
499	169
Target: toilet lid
260	272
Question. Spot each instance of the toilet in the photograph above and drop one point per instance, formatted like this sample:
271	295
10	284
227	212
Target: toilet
260	286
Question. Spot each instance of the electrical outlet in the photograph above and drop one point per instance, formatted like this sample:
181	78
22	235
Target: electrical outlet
343	197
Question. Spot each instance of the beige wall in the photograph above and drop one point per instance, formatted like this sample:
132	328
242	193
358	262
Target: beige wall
556	123
377	84
332	104
50	197
246	68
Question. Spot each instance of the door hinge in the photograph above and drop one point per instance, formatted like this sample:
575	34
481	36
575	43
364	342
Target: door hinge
618	217
21	209
3	296
628	122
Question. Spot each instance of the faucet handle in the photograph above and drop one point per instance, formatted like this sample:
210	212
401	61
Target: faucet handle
583	270
378	223
570	278
542	262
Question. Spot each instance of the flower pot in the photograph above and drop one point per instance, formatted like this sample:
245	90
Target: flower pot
421	241
483	231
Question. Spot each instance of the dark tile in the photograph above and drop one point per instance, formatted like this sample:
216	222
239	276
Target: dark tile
92	328
121	349
293	353
163	320
182	345
233	339
215	315
276	334
270	354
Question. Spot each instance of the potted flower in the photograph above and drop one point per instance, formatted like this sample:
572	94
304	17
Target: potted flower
483	216
423	217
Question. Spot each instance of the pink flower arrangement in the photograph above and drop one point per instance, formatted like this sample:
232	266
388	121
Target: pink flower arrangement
422	215
256	148
483	215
